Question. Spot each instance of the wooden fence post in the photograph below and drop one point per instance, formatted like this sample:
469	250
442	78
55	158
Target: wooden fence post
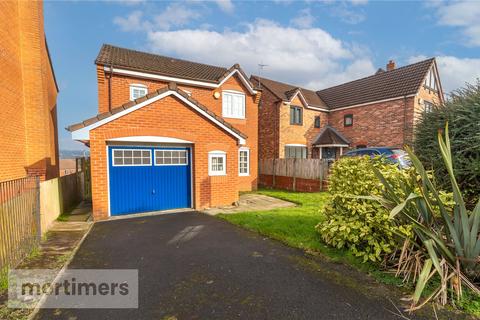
294	174
321	174
273	173
37	209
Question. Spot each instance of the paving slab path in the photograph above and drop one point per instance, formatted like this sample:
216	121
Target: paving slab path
252	202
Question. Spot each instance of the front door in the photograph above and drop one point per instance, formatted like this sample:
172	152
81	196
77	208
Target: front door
329	153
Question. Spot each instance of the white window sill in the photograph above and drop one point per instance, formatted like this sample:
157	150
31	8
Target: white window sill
232	117
244	174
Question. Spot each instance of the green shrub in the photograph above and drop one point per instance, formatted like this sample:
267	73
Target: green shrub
362	225
462	112
446	242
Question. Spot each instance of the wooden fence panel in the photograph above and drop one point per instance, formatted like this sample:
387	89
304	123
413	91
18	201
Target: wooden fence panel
308	169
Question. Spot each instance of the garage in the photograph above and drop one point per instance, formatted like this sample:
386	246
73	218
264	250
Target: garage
149	178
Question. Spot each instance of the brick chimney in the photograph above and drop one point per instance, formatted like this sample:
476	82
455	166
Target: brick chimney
390	65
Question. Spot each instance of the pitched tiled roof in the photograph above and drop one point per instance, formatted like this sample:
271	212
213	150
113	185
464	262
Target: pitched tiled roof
148	62
380	86
171	87
285	91
329	136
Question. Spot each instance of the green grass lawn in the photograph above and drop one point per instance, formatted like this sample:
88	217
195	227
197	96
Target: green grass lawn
295	226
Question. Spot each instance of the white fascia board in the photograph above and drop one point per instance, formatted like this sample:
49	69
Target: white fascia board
304	101
356	105
372	102
179	80
84	133
242	78
332	145
317	108
295	145
301	98
150	139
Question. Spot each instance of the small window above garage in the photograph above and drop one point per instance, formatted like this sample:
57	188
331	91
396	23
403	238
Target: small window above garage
132	157
171	157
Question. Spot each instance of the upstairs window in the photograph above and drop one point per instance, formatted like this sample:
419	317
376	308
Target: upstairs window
430	82
296	115
348	120
317	122
137	91
217	163
427	106
233	104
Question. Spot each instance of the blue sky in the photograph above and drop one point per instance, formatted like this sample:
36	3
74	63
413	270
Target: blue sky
308	43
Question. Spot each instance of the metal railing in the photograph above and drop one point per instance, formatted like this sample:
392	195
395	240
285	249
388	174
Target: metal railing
19	220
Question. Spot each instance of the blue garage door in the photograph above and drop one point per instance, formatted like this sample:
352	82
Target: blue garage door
146	179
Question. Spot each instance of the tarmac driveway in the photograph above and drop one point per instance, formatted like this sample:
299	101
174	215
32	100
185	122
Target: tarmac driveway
193	266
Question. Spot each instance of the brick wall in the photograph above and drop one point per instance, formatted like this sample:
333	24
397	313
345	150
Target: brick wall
155	120
268	124
120	92
381	124
389	123
28	128
299	134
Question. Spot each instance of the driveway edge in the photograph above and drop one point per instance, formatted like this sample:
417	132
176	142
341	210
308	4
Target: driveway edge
32	315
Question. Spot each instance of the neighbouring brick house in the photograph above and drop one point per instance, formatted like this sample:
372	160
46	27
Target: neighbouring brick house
28	130
169	134
379	110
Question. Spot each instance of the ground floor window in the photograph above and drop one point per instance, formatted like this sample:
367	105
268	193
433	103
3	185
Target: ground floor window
244	162
217	163
299	152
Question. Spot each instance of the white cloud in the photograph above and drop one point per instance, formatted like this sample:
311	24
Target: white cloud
130	2
347	15
175	15
304	19
462	14
133	22
358	2
310	57
225	5
455	72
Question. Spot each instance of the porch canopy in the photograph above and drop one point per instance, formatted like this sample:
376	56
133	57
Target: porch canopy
329	137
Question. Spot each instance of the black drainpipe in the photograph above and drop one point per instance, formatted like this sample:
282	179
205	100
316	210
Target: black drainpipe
404	120
109	77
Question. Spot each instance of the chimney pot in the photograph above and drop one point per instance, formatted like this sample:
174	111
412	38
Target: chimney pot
391	65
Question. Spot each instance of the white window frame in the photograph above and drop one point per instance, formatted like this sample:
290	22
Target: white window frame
293	145
137	86
169	164
247	150
131	165
230	114
215	154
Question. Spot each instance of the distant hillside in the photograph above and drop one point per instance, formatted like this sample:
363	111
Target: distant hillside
72	154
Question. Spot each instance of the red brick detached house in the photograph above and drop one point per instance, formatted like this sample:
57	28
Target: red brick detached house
169	134
379	110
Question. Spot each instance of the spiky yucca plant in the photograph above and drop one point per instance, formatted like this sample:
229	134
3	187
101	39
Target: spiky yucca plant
446	245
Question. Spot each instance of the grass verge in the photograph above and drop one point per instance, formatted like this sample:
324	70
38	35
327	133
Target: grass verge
295	226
